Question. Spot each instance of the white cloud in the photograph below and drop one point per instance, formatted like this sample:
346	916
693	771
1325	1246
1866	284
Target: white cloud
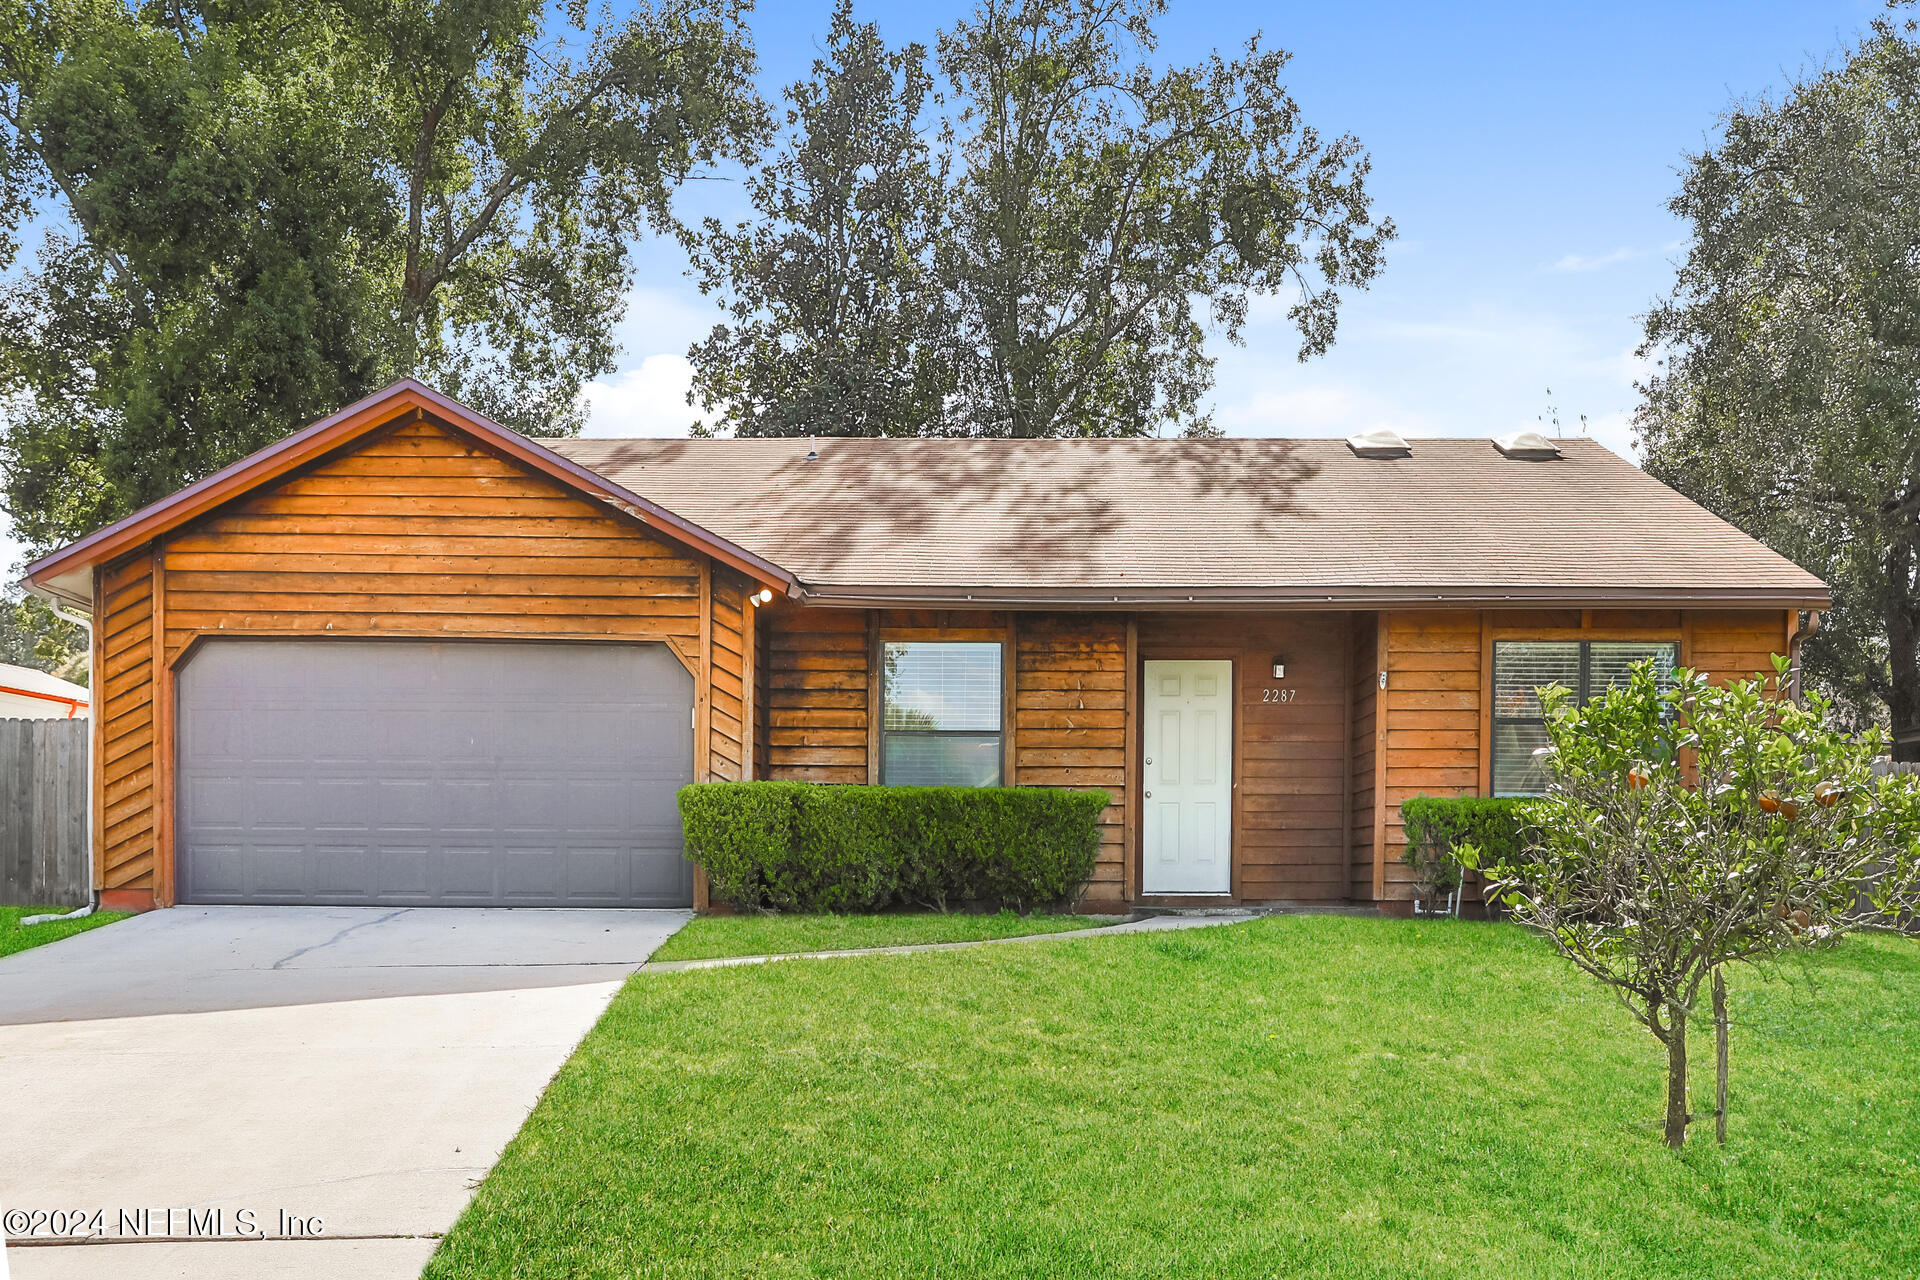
665	319
1316	409
1596	262
648	401
1630	367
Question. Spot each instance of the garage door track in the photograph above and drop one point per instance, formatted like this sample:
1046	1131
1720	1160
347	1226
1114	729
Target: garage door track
343	1073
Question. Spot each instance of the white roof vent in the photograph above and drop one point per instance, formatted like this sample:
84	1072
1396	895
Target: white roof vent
1380	443
1528	446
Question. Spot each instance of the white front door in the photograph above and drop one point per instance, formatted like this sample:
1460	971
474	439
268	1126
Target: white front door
1187	798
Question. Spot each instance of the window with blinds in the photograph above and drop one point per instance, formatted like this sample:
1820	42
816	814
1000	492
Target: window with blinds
1521	667
940	714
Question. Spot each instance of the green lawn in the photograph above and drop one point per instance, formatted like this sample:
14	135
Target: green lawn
708	937
1299	1096
14	938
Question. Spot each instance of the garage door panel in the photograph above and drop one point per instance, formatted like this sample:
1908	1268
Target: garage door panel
598	808
275	870
410	804
416	772
343	868
402	872
467	873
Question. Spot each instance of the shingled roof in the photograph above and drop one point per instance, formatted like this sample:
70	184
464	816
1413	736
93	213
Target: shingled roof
1279	521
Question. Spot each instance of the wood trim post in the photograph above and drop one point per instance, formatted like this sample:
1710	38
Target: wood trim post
703	715
162	695
97	731
1009	703
874	675
1381	774
703	682
1236	820
749	660
1346	749
1486	704
1131	781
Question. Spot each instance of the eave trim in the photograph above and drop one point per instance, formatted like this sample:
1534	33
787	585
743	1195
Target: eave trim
1172	598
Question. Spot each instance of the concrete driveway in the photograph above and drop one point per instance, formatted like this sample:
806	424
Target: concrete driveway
358	1066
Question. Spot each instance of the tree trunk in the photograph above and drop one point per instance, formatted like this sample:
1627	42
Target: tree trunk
1676	1077
1719	1056
1903	658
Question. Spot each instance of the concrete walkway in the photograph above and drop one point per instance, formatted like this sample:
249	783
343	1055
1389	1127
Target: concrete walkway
1151	924
356	1065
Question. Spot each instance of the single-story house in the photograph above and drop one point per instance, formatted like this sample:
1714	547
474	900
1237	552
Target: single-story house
27	694
408	656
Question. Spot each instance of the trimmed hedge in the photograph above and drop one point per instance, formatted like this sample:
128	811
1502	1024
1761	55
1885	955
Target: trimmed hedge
1437	825
799	846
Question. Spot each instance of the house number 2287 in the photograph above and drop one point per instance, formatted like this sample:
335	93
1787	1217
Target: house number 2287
1277	695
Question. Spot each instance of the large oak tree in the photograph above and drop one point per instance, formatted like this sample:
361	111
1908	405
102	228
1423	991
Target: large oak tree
1788	397
1054	260
251	213
837	321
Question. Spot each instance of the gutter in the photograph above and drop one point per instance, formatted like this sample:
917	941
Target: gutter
93	687
1806	631
72	705
1178	598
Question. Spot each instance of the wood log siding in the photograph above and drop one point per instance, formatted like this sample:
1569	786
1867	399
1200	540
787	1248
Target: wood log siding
816	704
1736	646
1429	724
1070	725
419	531
124	837
727	707
1364	693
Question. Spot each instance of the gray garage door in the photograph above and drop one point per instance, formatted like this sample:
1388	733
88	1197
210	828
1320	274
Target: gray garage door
413	772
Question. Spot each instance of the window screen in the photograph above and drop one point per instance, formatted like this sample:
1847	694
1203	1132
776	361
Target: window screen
1522	666
940	714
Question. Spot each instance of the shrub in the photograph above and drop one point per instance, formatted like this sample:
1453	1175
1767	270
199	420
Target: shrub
1437	825
796	846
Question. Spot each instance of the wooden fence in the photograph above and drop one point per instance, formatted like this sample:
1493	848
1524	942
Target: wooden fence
43	813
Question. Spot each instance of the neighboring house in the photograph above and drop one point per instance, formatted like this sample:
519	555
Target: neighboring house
27	694
351	668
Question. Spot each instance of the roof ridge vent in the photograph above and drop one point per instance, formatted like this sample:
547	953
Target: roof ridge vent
1381	442
1527	446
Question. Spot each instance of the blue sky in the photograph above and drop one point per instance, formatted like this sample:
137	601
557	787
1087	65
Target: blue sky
1526	151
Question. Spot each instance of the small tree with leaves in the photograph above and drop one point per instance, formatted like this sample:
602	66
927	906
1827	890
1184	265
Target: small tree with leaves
1688	827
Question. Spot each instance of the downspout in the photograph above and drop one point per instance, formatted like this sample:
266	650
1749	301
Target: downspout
1807	628
93	709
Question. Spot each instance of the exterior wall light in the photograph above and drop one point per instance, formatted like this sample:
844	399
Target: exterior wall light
1279	668
763	596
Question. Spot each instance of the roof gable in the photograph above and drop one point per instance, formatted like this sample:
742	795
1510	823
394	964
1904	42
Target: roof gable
67	572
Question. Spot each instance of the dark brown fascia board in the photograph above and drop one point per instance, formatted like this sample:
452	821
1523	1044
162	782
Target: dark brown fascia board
1179	598
311	442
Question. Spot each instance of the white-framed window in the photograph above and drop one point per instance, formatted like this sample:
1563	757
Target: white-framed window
940	721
